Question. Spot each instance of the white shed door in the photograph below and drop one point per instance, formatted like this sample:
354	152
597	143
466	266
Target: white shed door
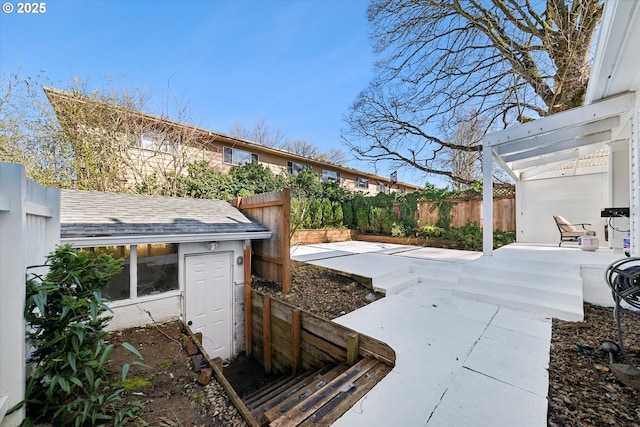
208	285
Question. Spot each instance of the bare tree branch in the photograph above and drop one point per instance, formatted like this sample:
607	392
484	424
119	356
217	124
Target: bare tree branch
440	60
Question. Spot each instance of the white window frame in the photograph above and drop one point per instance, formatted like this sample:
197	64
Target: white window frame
158	141
238	157
335	176
362	182
299	167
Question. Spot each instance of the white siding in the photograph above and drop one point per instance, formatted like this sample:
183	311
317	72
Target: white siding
577	198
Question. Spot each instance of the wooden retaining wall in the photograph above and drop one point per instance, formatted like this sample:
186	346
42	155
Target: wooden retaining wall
309	237
287	339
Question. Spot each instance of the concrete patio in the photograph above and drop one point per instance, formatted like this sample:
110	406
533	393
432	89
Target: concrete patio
464	357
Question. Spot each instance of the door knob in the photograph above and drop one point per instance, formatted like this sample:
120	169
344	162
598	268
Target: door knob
189	323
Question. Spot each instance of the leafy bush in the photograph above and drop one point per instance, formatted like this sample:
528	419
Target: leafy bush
64	310
431	232
327	213
467	238
316	214
362	220
338	214
503	238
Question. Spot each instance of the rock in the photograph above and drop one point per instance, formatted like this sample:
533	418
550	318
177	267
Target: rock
351	287
197	362
370	297
205	376
626	374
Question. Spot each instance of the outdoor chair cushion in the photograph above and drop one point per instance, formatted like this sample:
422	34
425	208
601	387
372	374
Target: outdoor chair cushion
569	232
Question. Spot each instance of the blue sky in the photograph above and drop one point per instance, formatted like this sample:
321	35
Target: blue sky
297	64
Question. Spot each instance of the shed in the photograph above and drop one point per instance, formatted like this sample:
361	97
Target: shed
182	258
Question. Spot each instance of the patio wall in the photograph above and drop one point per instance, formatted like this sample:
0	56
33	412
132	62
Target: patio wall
29	230
577	198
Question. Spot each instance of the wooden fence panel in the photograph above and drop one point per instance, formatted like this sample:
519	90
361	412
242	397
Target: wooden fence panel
465	211
271	257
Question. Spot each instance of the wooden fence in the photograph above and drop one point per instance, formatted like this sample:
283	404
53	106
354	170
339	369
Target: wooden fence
271	257
286	338
465	211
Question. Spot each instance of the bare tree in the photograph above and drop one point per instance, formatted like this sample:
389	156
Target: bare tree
93	139
261	133
119	148
464	164
508	60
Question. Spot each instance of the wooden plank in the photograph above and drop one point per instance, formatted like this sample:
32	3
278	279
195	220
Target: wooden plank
363	385
352	348
323	346
268	259
295	341
300	396
266	333
295	416
247	299
285	241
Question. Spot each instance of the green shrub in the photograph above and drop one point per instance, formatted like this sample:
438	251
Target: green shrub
338	214
327	214
316	214
64	310
431	232
347	214
375	220
362	220
503	238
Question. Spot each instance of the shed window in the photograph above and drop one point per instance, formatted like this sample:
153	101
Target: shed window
155	267
233	156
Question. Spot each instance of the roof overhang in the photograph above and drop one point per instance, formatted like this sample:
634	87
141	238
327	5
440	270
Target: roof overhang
116	240
564	137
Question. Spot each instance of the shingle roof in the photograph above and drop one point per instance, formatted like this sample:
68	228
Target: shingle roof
92	213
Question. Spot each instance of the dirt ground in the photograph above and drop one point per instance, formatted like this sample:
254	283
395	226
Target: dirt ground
582	389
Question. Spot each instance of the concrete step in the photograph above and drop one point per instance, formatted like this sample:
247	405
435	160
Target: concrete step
541	307
394	285
435	271
534	275
569	293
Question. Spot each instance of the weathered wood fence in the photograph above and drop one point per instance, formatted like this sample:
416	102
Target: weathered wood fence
271	257
286	338
465	211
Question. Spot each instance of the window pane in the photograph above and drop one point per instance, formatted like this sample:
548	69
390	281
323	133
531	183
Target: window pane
118	288
157	268
294	168
330	176
227	155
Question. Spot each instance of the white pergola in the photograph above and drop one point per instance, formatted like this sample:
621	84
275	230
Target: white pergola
611	113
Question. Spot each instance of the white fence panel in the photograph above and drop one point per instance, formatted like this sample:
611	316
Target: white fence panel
29	230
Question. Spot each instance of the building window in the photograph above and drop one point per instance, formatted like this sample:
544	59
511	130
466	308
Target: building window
233	156
382	187
158	141
294	168
362	182
330	176
155	267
